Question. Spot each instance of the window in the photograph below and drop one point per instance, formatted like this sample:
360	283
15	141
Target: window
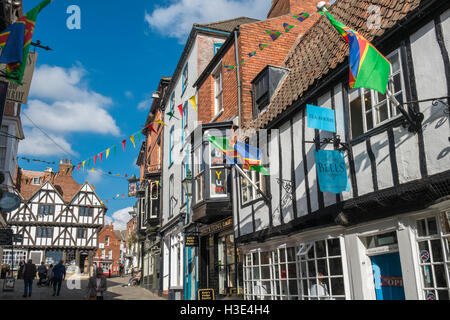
433	240
184	122
183	178
103	254
369	108
172	103
226	261
248	192
44	232
107	241
46	210
217	46
218	91
261	96
198	175
3	145
171	145
184	78
36	181
171	196
86	212
81	233
110	256
19	255
283	274
218	173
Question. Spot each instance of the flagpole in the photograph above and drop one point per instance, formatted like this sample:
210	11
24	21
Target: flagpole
414	125
251	182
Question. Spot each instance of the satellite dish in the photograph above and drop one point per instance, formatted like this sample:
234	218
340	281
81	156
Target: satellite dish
10	202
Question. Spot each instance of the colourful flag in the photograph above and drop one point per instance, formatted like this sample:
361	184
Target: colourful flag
193	102
151	128
78	169
124	142
89	162
274	34
101	156
171	115
242	62
262	46
368	67
132	141
225	146
139	136
95	159
160	122
251	54
21	34
83	164
115	149
107	153
229	68
288	27
180	108
301	16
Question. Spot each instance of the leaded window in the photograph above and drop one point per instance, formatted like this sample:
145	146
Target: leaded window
46	210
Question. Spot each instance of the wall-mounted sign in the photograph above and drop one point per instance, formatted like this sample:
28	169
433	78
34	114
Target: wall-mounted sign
132	188
155	251
218	182
321	118
6	237
217	227
10	202
206	294
332	171
191	240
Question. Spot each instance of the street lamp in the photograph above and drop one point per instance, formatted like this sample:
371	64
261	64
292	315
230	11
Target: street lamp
187	183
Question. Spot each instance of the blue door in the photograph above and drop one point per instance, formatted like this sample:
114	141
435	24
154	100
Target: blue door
387	274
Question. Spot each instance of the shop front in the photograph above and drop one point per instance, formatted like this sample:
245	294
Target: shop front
220	262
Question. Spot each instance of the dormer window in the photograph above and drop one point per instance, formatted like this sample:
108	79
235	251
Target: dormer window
264	86
36	181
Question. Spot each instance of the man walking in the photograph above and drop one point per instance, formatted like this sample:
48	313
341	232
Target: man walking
42	272
59	274
29	273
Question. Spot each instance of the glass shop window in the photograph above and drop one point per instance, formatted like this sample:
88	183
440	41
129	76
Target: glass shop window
218	173
433	237
369	108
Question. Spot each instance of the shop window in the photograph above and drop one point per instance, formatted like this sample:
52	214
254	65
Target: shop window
19	255
308	272
433	236
369	108
226	262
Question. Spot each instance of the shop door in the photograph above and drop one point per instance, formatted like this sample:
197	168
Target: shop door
387	274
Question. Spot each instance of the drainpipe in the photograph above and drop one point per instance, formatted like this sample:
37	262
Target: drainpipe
238	64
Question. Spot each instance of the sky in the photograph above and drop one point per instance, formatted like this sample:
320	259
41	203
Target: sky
93	89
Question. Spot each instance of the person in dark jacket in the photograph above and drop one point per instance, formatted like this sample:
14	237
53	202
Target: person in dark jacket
20	273
42	272
29	274
59	274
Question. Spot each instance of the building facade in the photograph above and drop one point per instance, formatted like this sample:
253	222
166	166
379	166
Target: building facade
111	250
58	219
132	255
388	237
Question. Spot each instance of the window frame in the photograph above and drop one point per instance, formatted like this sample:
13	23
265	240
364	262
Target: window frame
184	78
82	213
171	144
218	93
198	175
256	196
3	146
43	212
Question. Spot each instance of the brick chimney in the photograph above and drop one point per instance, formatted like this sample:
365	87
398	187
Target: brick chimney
292	7
65	167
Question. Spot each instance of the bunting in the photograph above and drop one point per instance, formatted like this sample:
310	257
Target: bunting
101	156
180	108
274	34
251	54
287	27
262	46
95	159
124	142
171	115
193	102
160	122
132	141
301	16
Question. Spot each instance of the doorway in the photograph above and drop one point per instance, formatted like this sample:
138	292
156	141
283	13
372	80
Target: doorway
388	279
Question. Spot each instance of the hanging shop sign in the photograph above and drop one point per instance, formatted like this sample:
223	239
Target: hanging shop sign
206	294
191	240
321	118
19	93
332	171
218	184
6	237
132	188
155	251
10	202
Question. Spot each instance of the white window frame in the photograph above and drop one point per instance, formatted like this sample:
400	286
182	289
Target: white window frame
375	103
171	196
184	78
245	184
198	174
36	181
218	90
171	144
107	241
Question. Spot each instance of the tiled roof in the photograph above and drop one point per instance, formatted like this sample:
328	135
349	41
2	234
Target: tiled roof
321	49
227	25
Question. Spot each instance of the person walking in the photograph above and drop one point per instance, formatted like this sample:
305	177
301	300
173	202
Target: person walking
59	274
42	272
97	286
20	273
29	274
50	275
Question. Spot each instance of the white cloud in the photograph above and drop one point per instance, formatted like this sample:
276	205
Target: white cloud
94	177
177	19
37	144
129	94
62	103
145	105
120	218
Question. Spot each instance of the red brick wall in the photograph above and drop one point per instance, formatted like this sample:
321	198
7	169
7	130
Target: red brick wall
114	245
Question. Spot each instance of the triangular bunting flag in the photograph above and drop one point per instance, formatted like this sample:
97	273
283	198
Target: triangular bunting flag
107	153
288	27
151	128
193	102
79	165
160	122
251	54
274	34
83	164
89	162
124	142
301	16
139	136
180	108
171	115
115	149
95	159
101	156
262	46
132	141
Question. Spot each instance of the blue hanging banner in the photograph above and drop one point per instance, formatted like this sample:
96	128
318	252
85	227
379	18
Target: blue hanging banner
332	171
321	118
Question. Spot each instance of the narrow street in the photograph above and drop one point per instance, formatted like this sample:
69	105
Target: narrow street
117	290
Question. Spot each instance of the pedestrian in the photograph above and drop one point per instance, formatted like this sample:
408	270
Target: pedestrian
50	275
59	274
109	272
42	272
20	273
28	274
97	286
121	270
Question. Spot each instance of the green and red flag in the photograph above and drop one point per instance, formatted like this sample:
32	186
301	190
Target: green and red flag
301	16
16	41
274	34
368	67
288	27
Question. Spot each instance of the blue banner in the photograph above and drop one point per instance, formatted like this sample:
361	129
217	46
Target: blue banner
332	171
321	118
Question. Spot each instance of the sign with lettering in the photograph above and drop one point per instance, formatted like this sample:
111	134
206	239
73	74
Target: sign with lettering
19	93
217	227
191	240
218	185
155	251
332	171
206	294
6	237
387	281
321	118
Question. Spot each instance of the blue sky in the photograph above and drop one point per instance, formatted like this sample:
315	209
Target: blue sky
93	89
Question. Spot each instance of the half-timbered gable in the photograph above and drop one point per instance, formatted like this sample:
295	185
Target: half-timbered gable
398	170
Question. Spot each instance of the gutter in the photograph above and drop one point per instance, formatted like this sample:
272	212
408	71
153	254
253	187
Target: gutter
238	75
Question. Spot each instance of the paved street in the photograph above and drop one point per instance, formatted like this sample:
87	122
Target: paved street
116	291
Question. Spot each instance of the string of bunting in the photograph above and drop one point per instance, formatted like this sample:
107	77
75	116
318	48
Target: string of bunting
36	160
274	35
